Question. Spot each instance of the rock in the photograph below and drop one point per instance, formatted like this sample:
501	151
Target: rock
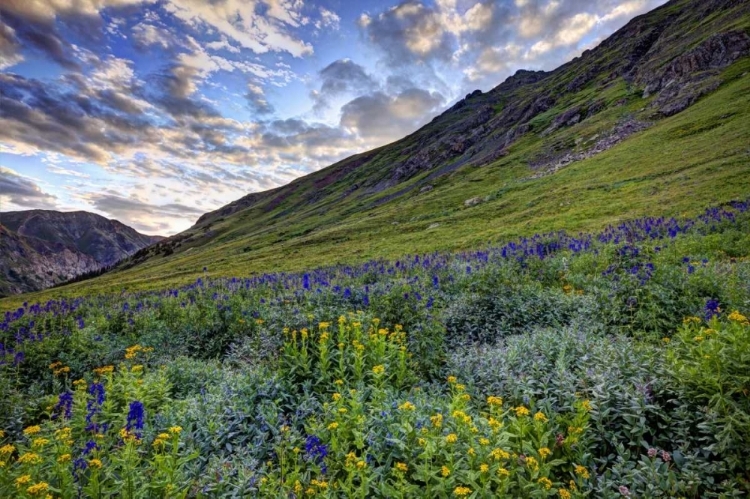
473	201
433	226
426	188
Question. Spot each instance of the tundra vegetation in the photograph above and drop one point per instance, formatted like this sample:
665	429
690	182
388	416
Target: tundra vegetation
609	364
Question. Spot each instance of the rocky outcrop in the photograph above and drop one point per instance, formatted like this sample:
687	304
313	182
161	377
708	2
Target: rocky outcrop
690	76
41	248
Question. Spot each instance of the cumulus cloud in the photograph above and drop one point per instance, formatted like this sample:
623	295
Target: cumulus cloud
342	77
22	192
381	118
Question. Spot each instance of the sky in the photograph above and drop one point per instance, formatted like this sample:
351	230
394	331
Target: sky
153	112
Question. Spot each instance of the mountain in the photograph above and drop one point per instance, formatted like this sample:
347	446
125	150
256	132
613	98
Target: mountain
40	248
654	120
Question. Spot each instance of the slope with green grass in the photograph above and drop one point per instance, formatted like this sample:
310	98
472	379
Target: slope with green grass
654	121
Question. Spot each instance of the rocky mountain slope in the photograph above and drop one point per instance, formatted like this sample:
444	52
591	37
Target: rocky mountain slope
40	248
653	120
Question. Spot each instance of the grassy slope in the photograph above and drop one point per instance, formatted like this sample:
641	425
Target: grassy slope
679	166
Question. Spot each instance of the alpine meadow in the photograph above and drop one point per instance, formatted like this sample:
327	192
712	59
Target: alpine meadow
541	291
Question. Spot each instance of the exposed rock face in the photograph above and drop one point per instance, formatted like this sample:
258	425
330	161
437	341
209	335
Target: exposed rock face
690	76
40	248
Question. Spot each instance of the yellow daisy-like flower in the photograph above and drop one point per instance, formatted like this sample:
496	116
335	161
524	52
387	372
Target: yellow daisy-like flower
461	491
445	471
586	404
521	411
64	458
545	482
564	494
471	452
499	454
452	379
378	370
539	416
581	471
544	452
38	488
30	458
484	468
484	441
494	401
503	473
175	430
23	480
62	434
406	406
95	463
7	449
736	316
2	433
666	340
532	463
402	467
437	420
336	397
32	430
452	438
333	426
136	369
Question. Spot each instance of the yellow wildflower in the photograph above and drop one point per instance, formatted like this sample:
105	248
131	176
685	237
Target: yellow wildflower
422	442
406	406
2	434
698	338
503	473
484	468
101	371
452	379
333	426
452	438
581	471
175	430
378	370
336	397
545	482
23	480
445	471
484	441
7	449
521	411
499	454
338	382
471	451
437	420
586	405
462	491
532	463
297	487
460	387
136	369
495	424
95	463
666	340
494	401
539	416
342	410
30	458
544	452
402	467
324	325
738	317
564	494
32	430
64	458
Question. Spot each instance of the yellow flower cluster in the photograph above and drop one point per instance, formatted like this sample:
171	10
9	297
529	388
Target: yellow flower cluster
462	491
95	463
437	420
564	493
407	406
175	430
545	482
353	461
445	471
539	416
462	417
499	454
736	316
581	471
32	430
132	352
586	405
521	411
58	368
64	458
451	438
333	426
378	370
103	371
544	452
532	463
494	401
39	442
402	467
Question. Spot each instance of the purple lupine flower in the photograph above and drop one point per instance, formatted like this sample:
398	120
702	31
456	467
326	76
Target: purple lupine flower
136	415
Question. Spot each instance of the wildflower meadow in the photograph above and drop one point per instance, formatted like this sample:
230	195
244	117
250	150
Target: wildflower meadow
603	365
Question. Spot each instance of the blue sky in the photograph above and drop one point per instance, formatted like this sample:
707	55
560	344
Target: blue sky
156	111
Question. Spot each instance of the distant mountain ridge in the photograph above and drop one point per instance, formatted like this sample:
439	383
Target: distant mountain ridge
41	248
